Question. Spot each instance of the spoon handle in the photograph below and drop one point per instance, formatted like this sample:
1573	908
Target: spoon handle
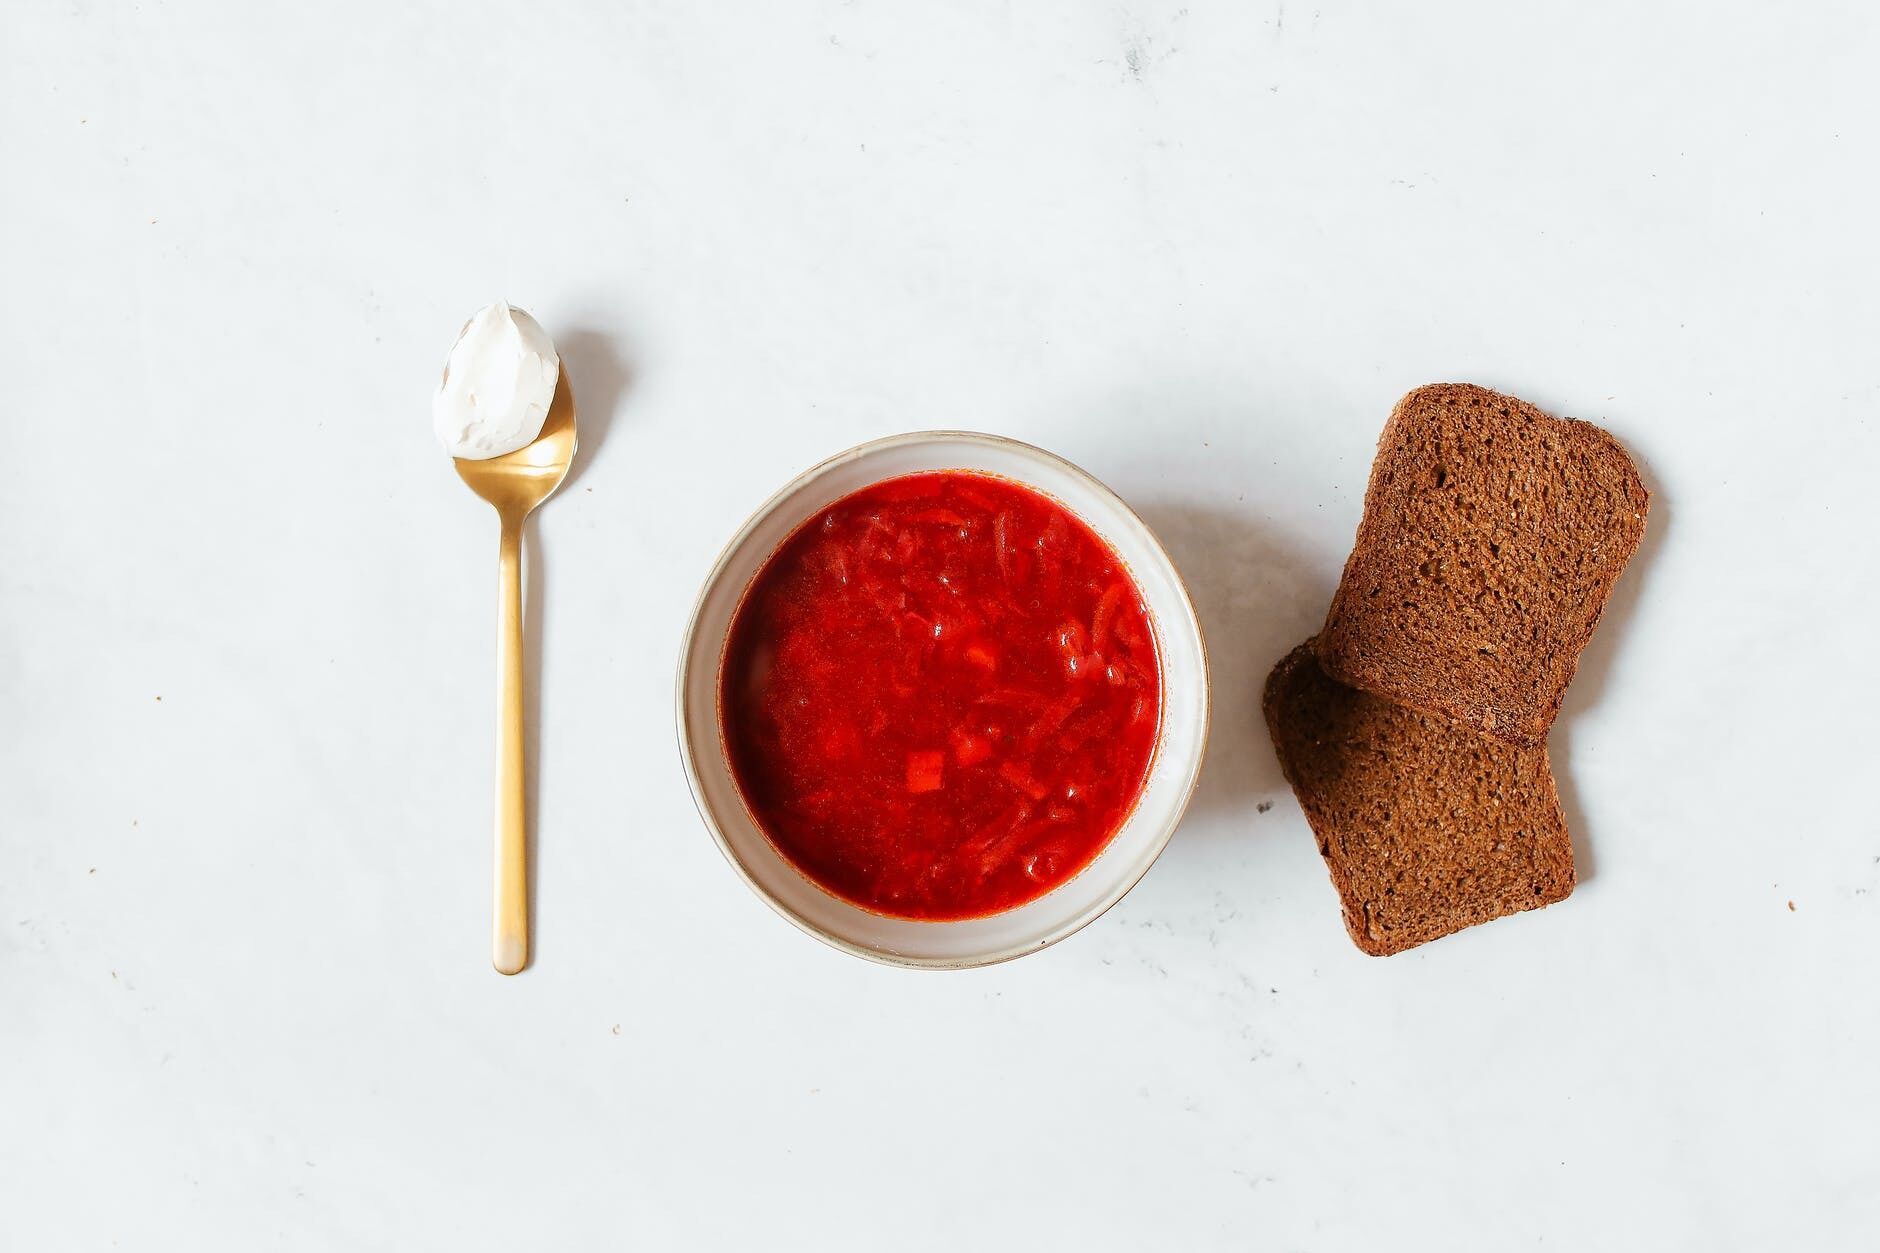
510	941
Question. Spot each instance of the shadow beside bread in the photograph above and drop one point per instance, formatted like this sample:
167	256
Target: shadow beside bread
1258	591
1598	658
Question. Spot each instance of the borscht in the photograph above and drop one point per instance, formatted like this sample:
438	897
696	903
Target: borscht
940	696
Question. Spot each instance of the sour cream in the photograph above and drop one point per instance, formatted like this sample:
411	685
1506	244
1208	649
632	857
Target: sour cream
497	386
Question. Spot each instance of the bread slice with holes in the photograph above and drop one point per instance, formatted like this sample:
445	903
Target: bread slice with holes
1492	536
1426	827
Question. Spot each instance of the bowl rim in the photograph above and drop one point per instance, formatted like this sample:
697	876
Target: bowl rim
688	757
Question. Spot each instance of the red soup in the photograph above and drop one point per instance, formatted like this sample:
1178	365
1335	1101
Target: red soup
941	695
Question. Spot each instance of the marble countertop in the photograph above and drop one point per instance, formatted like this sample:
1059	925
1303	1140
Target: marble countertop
247	615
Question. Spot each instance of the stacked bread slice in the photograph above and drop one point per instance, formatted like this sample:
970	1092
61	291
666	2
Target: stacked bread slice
1413	727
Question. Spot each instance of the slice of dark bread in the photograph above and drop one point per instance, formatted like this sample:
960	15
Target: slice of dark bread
1492	536
1426	827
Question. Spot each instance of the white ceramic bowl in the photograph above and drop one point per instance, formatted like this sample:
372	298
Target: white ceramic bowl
1059	912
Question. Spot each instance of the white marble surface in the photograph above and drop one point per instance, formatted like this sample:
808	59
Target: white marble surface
246	615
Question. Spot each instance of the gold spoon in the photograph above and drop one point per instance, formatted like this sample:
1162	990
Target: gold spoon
516	483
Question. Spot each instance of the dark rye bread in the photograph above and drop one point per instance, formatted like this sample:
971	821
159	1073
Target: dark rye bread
1427	828
1492	536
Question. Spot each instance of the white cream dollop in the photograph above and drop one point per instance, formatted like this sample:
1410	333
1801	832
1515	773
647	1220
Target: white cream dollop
497	386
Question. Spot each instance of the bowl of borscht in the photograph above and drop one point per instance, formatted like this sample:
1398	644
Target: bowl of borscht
943	700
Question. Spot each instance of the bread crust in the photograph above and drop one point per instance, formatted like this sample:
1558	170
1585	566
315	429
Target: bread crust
1493	534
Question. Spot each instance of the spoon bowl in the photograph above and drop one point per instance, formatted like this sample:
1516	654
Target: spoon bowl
523	479
515	483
